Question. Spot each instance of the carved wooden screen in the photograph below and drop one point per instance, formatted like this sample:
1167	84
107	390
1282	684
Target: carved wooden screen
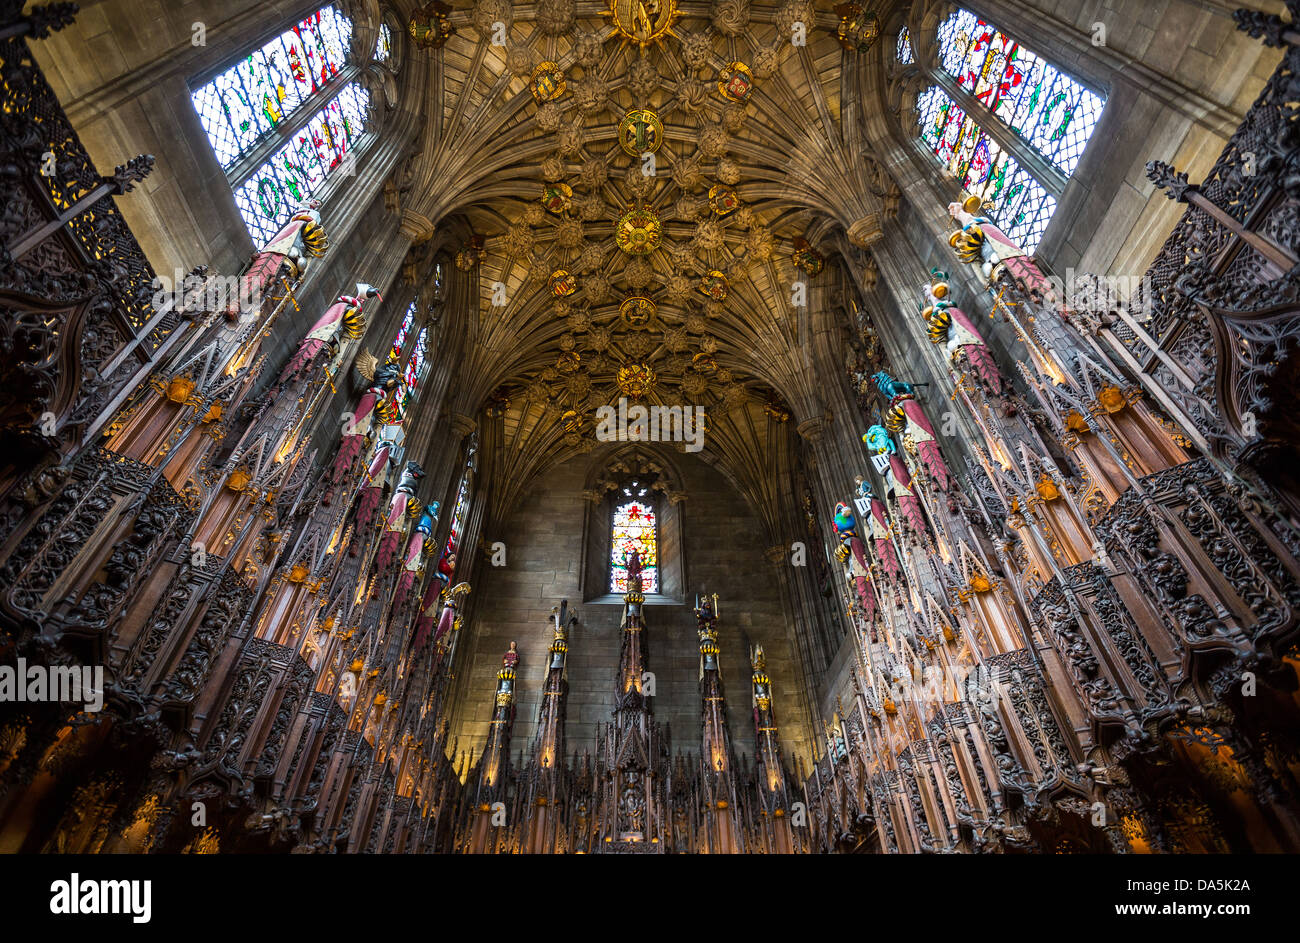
79	325
1216	330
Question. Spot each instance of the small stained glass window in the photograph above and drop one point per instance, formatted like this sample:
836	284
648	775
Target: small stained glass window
904	50
634	529
411	378
245	103
407	320
411	373
384	46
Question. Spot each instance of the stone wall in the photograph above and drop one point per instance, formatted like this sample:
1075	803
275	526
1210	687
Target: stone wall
543	541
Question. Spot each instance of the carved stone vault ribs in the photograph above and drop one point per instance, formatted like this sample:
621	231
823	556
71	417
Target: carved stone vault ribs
554	178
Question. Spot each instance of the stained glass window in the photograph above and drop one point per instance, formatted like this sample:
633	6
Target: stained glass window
384	47
904	50
411	374
1015	200
633	529
1052	112
244	110
407	320
246	102
447	566
300	168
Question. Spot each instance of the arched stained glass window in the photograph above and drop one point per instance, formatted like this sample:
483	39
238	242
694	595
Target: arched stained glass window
407	320
384	46
903	52
1052	112
634	528
1046	115
285	118
411	376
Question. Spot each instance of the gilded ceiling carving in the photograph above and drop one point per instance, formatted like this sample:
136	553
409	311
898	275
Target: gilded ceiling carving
648	184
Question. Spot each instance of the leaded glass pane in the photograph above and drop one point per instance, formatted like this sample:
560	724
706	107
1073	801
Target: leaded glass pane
384	47
300	168
1052	112
1025	209
246	102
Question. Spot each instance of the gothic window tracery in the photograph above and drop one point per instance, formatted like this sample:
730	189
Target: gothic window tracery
1049	117
278	142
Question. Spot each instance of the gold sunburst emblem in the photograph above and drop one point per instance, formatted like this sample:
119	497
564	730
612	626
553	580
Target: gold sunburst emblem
638	232
642	21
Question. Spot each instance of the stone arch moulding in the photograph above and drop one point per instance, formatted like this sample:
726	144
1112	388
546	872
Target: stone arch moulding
606	473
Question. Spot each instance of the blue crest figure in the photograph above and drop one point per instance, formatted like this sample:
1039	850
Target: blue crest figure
878	440
427	519
892	388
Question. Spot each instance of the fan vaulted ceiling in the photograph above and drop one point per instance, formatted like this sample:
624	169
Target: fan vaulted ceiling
639	211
